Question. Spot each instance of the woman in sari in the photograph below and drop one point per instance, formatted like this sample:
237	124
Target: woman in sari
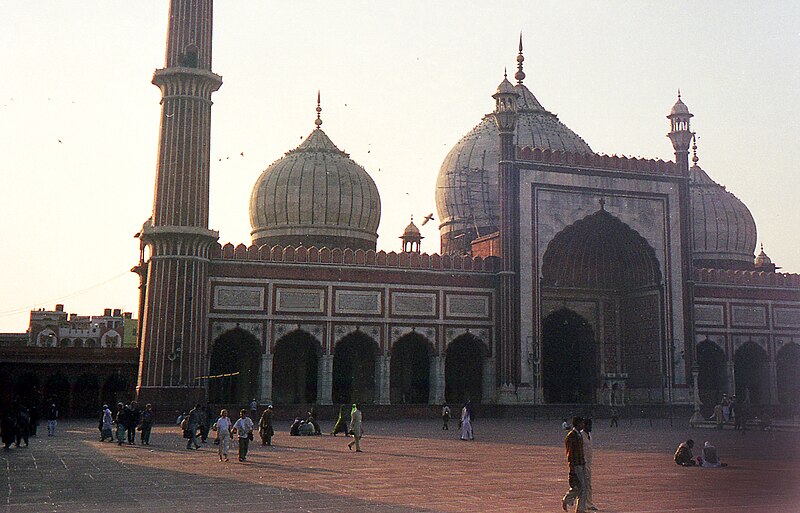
466	422
341	422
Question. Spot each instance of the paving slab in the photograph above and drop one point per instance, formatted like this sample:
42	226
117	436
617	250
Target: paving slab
514	465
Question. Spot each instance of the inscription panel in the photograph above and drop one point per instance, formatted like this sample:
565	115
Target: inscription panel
467	306
228	297
709	314
414	303
300	300
748	315
786	317
358	302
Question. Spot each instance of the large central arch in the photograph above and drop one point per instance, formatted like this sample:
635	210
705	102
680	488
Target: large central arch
463	369
602	265
354	369
235	351
294	368
568	358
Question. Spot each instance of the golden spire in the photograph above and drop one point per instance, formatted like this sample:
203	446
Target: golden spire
520	75
318	121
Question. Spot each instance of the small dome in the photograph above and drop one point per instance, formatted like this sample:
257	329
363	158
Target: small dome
762	260
680	108
724	229
315	195
411	232
505	87
467	189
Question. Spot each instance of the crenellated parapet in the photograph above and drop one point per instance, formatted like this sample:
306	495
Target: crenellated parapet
358	257
596	160
751	278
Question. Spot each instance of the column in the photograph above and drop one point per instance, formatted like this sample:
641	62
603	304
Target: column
488	379
325	379
382	378
436	380
731	375
773	383
265	385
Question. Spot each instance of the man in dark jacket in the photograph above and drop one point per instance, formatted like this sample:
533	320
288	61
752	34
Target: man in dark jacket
194	423
134	415
577	467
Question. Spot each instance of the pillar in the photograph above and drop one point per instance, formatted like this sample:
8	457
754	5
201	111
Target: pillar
325	379
731	375
436	380
265	376
488	379
382	378
773	382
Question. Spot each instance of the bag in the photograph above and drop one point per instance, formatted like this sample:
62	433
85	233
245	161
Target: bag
185	424
216	441
187	434
250	436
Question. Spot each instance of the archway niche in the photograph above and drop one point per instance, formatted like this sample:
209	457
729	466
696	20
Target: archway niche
789	375
463	369
57	391
354	369
569	365
752	374
711	380
26	389
235	351
601	263
294	368
410	369
115	390
85	394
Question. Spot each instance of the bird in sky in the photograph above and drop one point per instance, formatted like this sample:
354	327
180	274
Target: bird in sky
428	217
242	154
59	141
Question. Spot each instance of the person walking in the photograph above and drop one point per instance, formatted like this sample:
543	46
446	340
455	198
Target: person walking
119	420
265	429
445	417
34	411
466	422
614	417
356	429
192	423
204	424
719	416
223	428
106	424
8	428
577	467
133	416
586	432
52	419
23	426
254	409
341	422
244	430
147	423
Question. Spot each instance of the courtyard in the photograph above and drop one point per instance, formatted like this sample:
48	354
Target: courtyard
514	465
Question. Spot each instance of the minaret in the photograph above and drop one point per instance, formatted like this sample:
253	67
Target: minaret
174	326
680	133
505	116
412	238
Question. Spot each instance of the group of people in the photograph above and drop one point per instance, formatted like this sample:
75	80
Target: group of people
708	457
578	443
124	423
464	424
20	422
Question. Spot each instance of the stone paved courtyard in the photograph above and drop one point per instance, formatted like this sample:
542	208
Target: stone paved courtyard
513	466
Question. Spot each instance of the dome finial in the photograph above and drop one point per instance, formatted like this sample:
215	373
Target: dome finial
694	149
505	72
318	121
679	93
520	75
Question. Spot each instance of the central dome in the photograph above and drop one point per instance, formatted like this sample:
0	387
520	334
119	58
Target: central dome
315	195
467	189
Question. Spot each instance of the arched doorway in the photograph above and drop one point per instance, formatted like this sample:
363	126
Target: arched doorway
463	369
750	369
115	390
234	351
354	369
85	395
711	380
789	375
26	389
602	260
57	391
410	369
568	358
294	368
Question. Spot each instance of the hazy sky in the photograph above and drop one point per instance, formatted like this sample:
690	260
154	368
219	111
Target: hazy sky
401	83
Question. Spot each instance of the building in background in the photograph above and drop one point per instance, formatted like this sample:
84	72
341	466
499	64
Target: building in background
57	328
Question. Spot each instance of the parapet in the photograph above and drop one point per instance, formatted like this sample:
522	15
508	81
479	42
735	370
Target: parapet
752	278
358	257
596	160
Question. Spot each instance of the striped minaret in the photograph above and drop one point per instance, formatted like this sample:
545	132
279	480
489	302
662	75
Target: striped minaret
174	328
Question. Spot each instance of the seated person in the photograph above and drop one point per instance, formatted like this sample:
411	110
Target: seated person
709	458
306	429
683	456
294	430
310	420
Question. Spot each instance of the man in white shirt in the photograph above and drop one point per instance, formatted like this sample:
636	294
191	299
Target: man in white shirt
243	428
223	428
356	429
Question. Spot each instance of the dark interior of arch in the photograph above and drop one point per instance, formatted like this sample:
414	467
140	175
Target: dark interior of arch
409	370
354	369
569	368
600	252
294	368
234	351
711	380
463	370
788	369
751	373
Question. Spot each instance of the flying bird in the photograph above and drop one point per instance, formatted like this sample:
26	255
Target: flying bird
59	141
242	154
428	217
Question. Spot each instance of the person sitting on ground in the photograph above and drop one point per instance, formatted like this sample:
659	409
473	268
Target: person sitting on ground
709	458
294	430
684	456
310	420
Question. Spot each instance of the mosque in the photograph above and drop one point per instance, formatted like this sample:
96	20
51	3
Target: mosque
564	276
